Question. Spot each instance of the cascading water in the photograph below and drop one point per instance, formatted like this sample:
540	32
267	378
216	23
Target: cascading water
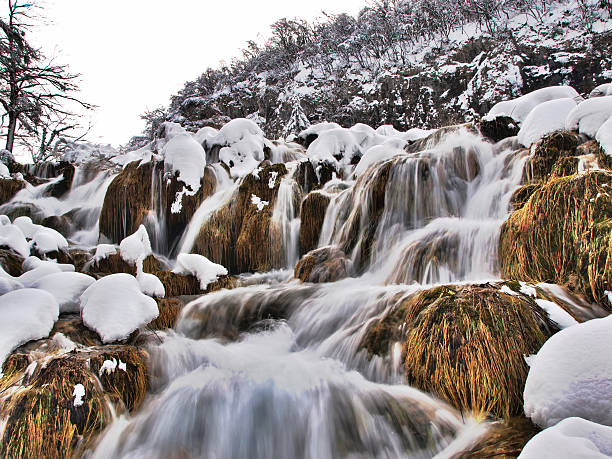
279	369
286	216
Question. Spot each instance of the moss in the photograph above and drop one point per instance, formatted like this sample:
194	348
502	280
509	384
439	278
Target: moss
504	439
11	262
127	201
465	344
522	195
563	235
9	188
241	237
552	156
312	216
169	309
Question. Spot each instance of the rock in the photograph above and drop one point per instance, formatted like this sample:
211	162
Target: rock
554	154
504	439
9	188
499	128
241	236
327	264
312	216
61	187
11	262
113	264
563	235
465	344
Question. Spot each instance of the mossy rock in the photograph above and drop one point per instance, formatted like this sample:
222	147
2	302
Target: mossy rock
169	309
114	264
11	262
42	418
563	235
127	201
179	284
327	264
554	154
312	216
503	439
9	188
522	195
466	344
241	237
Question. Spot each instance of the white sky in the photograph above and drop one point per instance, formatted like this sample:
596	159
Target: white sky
134	54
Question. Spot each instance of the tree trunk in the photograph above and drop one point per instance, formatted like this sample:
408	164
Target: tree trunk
10	136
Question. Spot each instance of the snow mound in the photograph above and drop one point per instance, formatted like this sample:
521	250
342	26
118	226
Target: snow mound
519	108
33	262
242	144
590	115
545	118
66	288
201	267
602	90
183	154
103	251
4	171
150	284
377	153
4	220
570	375
11	236
317	129
136	246
27	315
604	136
8	283
29	278
47	240
572	437
114	307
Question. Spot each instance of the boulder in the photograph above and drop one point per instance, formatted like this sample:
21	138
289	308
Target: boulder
312	216
327	264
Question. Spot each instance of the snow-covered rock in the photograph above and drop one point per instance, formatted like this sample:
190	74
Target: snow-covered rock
66	288
33	262
519	108
183	154
242	144
387	150
545	118
571	438
46	240
12	237
114	307
26	315
201	267
4	171
570	375
27	227
590	115
604	136
103	251
602	90
150	285
135	247
29	278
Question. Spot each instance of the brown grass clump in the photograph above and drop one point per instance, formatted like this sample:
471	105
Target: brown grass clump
555	154
327	264
169	309
241	237
522	195
127	201
563	235
312	215
178	284
505	439
465	344
9	188
113	264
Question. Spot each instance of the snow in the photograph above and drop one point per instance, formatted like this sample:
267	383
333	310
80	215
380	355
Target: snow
205	134
136	246
604	136
11	236
256	201
183	154
30	278
590	115
4	171
545	118
377	153
103	251
8	284
47	240
572	437
33	262
27	227
519	108
114	307
27	315
317	129
66	288
242	142
4	220
201	267
570	375
556	313
150	284
602	90
78	394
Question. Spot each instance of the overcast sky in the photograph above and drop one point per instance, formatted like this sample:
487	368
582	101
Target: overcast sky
134	54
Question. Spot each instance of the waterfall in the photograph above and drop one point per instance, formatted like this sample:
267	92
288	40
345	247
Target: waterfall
277	368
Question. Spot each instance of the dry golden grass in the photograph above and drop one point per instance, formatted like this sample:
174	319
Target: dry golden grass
113	264
465	344
169	309
563	234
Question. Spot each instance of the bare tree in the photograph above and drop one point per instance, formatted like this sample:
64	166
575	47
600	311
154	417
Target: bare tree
34	90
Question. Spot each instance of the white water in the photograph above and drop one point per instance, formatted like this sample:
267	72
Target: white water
286	216
277	368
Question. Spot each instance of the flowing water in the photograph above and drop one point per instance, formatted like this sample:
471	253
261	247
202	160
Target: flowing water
277	368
